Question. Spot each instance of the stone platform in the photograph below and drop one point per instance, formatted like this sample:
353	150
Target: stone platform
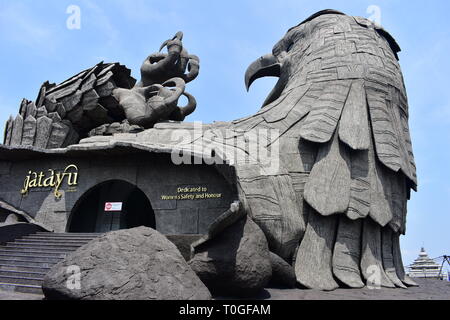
429	290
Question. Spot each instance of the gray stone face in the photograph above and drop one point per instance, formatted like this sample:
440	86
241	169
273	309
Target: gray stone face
371	258
58	135
274	205
44	126
347	253
315	254
283	274
388	258
8	131
29	131
16	136
133	264
235	262
31	110
330	193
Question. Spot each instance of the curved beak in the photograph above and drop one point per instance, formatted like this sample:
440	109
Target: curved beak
265	66
178	35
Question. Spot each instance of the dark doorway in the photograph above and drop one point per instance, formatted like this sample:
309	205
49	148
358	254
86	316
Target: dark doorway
89	215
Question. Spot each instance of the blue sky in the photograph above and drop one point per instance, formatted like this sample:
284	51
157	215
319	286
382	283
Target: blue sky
227	36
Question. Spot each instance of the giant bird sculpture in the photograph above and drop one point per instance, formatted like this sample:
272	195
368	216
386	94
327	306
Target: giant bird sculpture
335	206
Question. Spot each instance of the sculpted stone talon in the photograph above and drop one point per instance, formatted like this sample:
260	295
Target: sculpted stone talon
178	37
145	106
193	68
152	99
180	113
160	67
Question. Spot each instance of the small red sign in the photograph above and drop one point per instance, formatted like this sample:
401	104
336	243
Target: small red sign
113	206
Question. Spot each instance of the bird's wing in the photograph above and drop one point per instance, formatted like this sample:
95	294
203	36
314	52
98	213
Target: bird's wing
64	112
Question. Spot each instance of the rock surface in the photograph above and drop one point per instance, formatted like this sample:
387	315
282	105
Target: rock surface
283	274
235	262
133	264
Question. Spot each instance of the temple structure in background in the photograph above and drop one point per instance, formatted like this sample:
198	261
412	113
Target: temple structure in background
424	267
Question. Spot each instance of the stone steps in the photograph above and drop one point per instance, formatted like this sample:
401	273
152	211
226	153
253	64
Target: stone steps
65	235
44	245
25	261
40	238
29	274
20	252
34	281
21	288
25	249
52	241
36	259
16	268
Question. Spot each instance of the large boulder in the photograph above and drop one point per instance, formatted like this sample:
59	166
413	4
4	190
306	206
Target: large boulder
283	274
236	261
133	264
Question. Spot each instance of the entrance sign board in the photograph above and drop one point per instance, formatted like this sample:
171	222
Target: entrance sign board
113	206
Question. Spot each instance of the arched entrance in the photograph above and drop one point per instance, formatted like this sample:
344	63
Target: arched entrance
89	213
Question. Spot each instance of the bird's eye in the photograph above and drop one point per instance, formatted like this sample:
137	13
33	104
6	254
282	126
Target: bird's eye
290	47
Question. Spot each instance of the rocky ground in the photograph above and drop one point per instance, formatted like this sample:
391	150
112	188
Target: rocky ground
428	290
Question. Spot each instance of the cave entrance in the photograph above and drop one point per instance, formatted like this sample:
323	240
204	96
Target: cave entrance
110	206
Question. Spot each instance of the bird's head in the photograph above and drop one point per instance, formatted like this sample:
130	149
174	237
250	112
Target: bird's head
301	46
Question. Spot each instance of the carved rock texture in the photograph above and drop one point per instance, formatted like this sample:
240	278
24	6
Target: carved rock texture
347	253
64	113
133	264
283	274
235	262
313	264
